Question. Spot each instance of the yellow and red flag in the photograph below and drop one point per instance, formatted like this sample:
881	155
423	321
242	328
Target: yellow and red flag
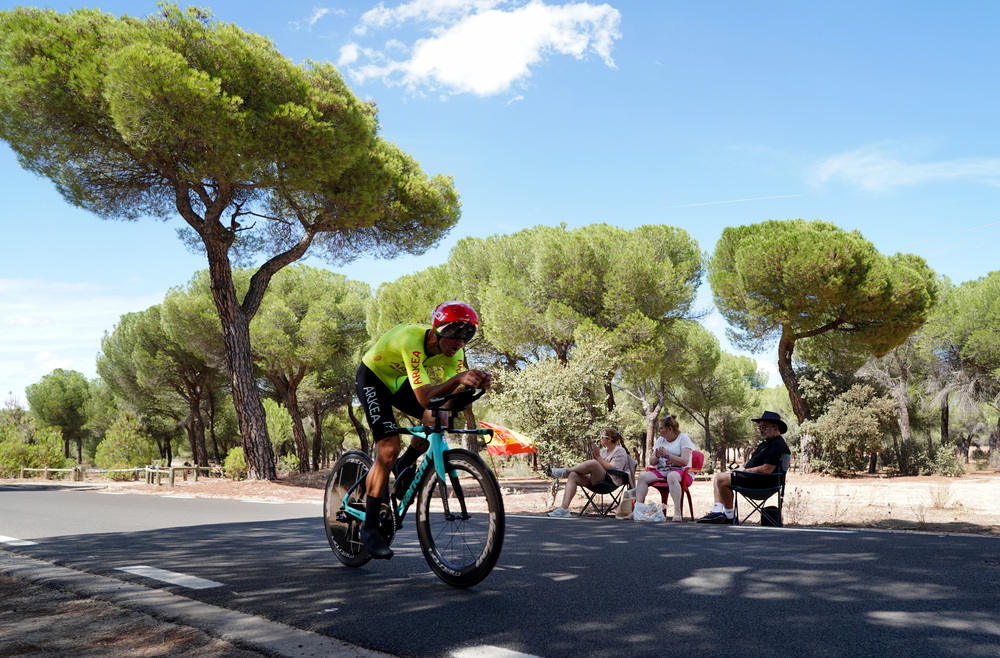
507	442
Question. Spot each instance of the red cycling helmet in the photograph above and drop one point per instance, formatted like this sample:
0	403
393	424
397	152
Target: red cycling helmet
455	319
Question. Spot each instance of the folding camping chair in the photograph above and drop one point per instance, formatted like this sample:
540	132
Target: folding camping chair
697	463
757	489
605	488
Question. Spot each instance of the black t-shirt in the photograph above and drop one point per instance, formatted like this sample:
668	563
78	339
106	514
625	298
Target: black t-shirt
769	452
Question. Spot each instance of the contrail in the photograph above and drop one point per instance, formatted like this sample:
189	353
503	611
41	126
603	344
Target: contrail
716	203
950	235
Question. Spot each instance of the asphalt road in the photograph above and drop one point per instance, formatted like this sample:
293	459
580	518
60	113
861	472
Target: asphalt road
590	587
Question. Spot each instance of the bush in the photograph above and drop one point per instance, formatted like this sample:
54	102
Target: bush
125	445
288	463
235	466
947	463
29	446
852	428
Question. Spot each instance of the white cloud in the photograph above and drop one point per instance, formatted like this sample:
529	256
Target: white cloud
479	49
438	11
314	17
876	170
348	54
47	325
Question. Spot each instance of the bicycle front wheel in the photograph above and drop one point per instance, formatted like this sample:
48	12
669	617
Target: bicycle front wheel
460	523
342	530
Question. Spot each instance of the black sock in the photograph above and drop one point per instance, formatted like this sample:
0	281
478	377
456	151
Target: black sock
373	507
407	459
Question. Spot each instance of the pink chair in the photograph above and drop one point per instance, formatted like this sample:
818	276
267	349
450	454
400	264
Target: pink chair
697	462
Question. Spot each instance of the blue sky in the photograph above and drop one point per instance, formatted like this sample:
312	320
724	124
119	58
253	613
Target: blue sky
874	116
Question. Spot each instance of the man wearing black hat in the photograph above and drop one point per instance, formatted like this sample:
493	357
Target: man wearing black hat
764	460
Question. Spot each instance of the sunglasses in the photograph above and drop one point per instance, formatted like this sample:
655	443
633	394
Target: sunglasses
457	330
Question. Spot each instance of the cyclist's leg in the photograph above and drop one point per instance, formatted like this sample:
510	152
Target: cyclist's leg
376	399
405	400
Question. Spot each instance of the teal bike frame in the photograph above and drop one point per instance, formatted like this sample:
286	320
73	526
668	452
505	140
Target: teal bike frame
435	455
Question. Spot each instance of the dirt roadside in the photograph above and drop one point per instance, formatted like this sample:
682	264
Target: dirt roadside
39	620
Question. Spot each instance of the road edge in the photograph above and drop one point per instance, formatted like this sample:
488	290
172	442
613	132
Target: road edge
237	628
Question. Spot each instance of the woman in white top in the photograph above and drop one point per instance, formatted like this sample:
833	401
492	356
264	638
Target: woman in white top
671	455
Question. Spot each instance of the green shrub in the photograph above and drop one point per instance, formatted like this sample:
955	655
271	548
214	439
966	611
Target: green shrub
235	466
29	446
947	463
125	445
289	463
912	458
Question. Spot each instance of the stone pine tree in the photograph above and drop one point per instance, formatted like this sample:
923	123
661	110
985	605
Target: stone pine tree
788	281
60	399
966	332
311	320
178	115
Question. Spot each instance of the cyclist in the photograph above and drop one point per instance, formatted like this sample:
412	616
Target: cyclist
393	374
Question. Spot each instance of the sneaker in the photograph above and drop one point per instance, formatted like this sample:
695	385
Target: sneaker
560	513
556	472
630	494
715	517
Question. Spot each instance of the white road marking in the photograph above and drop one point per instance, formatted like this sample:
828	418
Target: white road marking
489	652
14	541
172	577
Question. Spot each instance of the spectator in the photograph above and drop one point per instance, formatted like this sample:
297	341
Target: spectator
611	455
764	461
671	455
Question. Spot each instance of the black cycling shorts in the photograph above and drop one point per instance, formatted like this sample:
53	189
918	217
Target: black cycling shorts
378	401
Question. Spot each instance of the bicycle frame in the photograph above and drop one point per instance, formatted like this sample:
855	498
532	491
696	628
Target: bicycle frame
435	455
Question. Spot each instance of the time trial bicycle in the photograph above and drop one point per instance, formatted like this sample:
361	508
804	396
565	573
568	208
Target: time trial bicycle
460	516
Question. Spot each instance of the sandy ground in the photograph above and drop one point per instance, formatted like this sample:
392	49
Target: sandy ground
37	620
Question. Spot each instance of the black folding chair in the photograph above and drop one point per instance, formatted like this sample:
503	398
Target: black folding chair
757	489
604	488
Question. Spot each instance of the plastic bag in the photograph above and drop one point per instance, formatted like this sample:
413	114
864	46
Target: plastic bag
648	512
624	510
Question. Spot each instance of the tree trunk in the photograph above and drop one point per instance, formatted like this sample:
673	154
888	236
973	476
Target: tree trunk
944	421
995	446
211	426
196	429
246	395
189	428
902	399
708	430
652	414
298	431
470	441
904	416
872	463
785	348
359	428
317	418
609	392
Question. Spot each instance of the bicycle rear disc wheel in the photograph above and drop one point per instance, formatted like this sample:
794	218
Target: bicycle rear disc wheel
344	531
463	545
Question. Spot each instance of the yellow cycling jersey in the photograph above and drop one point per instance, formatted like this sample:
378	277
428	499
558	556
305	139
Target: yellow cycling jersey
399	356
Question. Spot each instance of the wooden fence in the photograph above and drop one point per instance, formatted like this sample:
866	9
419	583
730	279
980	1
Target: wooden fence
153	474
